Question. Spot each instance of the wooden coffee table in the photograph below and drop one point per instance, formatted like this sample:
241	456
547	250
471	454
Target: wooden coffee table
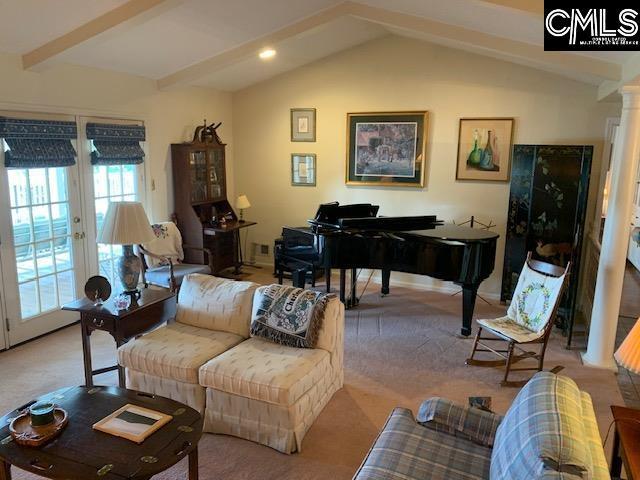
81	452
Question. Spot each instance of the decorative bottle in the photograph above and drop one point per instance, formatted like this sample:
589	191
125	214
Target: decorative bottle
474	156
486	163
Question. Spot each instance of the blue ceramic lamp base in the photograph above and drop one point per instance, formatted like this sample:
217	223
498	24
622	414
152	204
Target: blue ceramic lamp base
129	267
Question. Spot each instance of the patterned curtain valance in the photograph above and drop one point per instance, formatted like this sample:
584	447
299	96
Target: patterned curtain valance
39	153
109	131
122	152
37	129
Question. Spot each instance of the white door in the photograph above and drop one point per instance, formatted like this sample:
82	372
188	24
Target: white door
103	184
42	249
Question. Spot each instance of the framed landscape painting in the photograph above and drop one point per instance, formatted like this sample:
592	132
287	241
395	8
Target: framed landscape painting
484	149
386	149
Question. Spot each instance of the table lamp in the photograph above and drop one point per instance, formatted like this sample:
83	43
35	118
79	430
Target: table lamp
628	355
242	202
127	224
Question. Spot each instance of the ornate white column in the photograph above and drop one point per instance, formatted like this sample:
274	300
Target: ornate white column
617	227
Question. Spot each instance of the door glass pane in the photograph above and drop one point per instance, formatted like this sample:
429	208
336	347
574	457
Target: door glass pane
66	287
36	221
122	184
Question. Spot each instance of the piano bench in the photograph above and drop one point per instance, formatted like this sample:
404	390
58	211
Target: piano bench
298	272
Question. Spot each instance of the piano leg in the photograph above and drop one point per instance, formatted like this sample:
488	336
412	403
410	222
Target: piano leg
343	284
469	293
327	278
353	301
386	276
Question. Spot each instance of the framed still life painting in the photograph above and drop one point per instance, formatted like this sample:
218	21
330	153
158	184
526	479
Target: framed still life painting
303	124
303	169
484	149
386	149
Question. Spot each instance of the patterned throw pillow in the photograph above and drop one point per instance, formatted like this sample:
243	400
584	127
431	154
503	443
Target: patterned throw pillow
288	315
534	299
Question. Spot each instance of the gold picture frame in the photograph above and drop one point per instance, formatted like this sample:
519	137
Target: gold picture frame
484	149
387	148
124	422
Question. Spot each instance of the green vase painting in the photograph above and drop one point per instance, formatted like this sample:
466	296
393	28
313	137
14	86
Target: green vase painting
473	160
484	149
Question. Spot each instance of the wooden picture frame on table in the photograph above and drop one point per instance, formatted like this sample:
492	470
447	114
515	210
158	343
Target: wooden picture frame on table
386	148
484	149
303	169
303	124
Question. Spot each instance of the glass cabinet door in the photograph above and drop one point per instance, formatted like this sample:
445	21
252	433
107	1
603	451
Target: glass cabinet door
216	174
198	173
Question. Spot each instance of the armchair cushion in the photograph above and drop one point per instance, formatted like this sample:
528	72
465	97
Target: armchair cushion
406	450
467	422
168	243
162	275
175	351
216	304
509	328
542	433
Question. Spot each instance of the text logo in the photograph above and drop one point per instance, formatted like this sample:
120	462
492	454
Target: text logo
580	28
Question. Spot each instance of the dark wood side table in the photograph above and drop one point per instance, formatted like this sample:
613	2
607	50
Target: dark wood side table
82	452
153	308
626	442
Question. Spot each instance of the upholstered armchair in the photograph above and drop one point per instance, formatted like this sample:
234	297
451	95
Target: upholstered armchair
162	258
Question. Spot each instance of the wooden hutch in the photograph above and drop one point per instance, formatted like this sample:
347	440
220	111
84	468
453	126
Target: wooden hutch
203	213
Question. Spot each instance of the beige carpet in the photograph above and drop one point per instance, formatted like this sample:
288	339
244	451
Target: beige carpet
399	350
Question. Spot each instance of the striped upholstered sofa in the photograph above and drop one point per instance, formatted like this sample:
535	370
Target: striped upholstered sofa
549	432
244	386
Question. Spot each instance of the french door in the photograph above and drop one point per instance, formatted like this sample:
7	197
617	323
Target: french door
42	250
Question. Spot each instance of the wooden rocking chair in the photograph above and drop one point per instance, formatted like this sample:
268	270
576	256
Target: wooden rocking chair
519	338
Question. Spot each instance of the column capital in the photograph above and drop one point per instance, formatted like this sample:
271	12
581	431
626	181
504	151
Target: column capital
630	96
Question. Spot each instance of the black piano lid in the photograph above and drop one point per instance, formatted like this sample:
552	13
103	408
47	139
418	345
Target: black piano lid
456	233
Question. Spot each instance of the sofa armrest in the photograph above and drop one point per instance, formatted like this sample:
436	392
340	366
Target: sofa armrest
471	423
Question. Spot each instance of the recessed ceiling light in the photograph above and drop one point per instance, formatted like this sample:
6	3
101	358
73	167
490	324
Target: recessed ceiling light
267	53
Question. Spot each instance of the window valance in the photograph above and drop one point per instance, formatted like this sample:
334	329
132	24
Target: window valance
38	143
116	144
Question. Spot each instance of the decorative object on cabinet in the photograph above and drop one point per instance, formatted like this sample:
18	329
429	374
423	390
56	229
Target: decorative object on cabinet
528	322
484	149
303	169
202	212
303	124
547	206
126	224
386	148
97	289
163	258
242	203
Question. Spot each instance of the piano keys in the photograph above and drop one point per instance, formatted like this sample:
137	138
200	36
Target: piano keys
350	237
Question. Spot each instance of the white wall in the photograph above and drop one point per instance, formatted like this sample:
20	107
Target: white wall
395	74
170	116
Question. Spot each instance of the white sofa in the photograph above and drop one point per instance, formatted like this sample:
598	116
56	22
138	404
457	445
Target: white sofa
247	387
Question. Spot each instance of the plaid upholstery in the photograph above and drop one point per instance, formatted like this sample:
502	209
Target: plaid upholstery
462	421
405	450
542	432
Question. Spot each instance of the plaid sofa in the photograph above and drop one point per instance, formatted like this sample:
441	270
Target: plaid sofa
549	433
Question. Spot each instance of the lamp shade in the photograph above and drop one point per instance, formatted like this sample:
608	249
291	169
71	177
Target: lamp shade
242	202
628	355
126	223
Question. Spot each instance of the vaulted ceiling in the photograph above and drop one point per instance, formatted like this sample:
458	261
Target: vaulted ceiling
215	42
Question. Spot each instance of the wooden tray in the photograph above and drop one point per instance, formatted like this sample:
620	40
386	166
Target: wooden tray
25	434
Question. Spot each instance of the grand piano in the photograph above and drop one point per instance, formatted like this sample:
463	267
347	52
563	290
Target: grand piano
350	237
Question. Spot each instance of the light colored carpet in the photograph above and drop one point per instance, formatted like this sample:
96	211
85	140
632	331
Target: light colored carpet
399	350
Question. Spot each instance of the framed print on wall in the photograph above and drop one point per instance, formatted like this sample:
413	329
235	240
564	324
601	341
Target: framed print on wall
386	148
303	169
303	124
484	149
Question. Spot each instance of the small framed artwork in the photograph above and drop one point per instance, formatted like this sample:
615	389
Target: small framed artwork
484	149
303	169
303	124
386	148
132	422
